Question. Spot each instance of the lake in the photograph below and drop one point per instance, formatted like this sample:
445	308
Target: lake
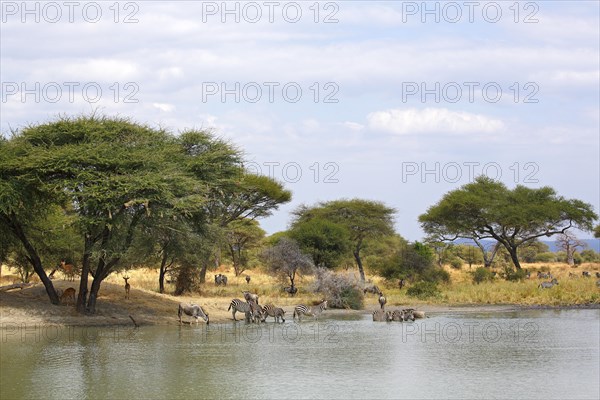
540	354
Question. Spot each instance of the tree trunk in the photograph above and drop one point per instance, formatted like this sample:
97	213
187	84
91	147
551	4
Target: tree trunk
513	256
83	282
203	272
163	271
360	266
34	258
91	305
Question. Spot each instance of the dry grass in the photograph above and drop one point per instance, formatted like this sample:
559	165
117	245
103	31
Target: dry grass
153	307
572	290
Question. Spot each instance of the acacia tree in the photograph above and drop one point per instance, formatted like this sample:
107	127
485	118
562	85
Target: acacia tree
487	209
324	240
362	219
242	235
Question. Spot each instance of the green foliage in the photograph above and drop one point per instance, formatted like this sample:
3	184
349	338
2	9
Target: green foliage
487	209
456	263
327	242
590	255
124	182
545	257
513	275
597	231
414	262
482	274
469	254
423	290
241	237
362	219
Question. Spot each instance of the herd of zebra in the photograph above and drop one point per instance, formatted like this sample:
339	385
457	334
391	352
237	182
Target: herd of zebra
252	311
407	314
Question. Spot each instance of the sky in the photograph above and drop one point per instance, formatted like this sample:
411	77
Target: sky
395	101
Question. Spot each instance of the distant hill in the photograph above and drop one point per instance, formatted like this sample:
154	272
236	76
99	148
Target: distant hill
593	244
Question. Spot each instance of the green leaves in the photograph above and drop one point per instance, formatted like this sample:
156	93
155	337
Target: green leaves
486	209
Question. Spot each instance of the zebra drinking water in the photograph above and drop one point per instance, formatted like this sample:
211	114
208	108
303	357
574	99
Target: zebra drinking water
382	316
193	310
271	311
315	311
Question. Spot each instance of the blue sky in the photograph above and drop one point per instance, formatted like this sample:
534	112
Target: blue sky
165	63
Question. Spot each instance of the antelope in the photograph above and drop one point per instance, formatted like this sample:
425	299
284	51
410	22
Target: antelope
68	270
127	287
68	294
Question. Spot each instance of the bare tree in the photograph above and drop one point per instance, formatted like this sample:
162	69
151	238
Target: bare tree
569	243
285	258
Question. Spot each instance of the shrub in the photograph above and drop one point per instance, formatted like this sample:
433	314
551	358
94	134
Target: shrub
456	263
545	257
423	290
515	274
482	274
436	275
341	290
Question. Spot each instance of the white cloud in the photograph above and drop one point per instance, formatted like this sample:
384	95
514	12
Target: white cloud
431	120
164	107
353	126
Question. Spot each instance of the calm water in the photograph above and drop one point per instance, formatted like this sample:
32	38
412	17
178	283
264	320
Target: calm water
530	354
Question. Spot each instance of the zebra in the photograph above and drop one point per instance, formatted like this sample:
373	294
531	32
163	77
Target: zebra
255	314
250	296
398	315
548	285
271	311
586	274
544	275
382	300
315	311
409	314
239	305
220	280
382	316
372	289
193	310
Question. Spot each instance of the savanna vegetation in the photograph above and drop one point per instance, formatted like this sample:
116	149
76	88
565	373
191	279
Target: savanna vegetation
111	198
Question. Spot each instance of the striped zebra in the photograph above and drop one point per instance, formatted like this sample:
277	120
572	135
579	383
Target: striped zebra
255	315
382	316
239	305
271	311
398	315
315	311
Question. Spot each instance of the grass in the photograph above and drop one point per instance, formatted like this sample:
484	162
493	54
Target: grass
575	290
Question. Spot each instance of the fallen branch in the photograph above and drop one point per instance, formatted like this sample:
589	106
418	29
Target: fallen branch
14	286
134	323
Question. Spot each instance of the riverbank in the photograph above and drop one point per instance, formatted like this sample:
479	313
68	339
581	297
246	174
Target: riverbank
31	306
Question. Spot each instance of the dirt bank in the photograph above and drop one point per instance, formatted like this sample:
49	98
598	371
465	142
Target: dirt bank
31	306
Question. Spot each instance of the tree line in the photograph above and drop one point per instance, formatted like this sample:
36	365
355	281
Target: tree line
112	194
